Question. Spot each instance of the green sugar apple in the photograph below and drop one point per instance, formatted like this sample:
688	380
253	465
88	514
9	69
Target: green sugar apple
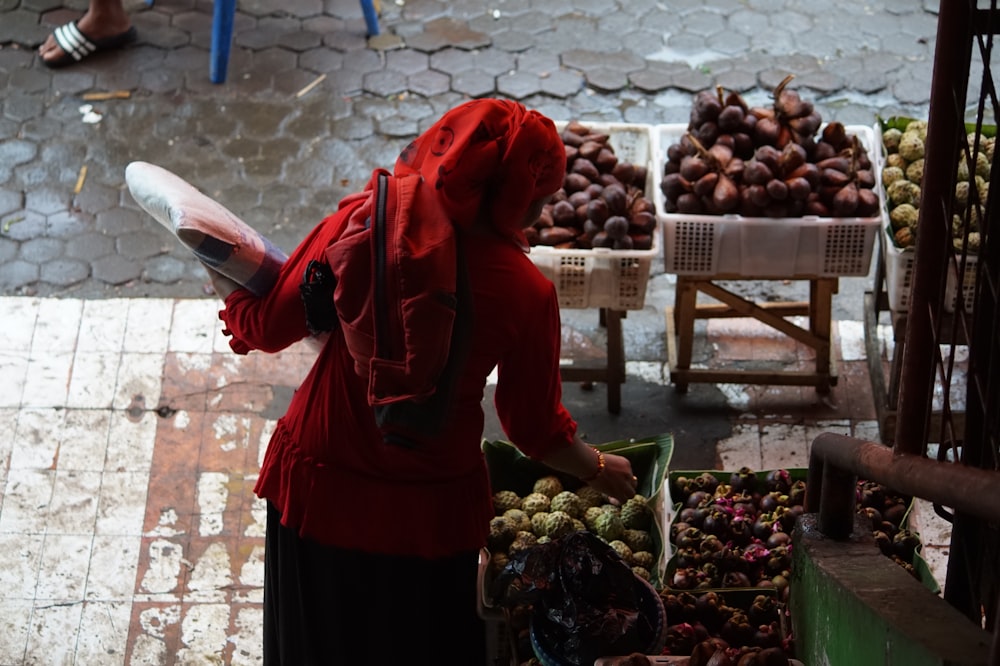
550	486
567	502
535	502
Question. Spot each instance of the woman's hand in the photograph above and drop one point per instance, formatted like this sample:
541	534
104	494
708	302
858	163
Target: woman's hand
607	472
616	480
222	285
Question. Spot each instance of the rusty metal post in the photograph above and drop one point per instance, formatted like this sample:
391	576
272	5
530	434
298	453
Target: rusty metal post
949	85
837	502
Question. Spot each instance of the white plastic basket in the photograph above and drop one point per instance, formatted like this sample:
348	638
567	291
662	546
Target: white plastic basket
760	247
601	277
899	278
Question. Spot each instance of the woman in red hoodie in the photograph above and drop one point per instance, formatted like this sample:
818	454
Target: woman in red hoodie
372	548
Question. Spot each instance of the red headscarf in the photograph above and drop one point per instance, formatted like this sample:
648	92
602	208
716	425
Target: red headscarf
493	149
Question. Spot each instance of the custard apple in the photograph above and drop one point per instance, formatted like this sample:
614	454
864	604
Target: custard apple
520	519
591	496
638	539
590	517
636	515
578	525
505	499
567	502
538	523
558	523
550	486
622	549
498	561
609	526
522	541
535	502
502	533
641	572
643	558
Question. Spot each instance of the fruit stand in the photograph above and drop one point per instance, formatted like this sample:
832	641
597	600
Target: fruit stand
597	238
755	236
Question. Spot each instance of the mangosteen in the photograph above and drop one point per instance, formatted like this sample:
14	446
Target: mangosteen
736	579
872	514
884	542
707	482
766	636
894	513
740	532
797	493
677	528
737	630
711	544
716	522
743	480
778	539
778	480
771	501
905	544
696	498
687	557
772	656
709	607
763	526
763	610
689	538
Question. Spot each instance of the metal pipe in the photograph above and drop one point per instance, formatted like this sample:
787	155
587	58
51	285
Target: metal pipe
962	488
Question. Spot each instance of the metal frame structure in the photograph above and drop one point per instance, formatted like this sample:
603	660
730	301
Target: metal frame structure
964	476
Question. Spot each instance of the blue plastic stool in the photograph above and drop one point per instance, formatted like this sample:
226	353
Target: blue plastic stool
224	11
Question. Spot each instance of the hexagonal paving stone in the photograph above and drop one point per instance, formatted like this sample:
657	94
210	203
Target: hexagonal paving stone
40	250
16	151
140	244
562	83
64	272
407	61
452	61
46	201
321	60
22	225
514	41
519	85
10	201
118	221
606	80
428	83
17	273
115	269
89	246
384	83
165	269
474	83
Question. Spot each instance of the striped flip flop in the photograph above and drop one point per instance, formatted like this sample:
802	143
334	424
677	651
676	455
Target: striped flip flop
76	46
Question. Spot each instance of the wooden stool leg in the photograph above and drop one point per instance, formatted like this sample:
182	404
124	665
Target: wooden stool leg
222	36
616	358
821	325
685	303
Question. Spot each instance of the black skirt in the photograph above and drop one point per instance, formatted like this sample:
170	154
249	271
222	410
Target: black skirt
329	606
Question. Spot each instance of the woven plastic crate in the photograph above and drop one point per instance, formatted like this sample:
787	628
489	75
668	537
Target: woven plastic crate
899	264
601	277
793	247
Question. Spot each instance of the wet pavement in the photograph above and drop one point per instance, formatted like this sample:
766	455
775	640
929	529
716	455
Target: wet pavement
129	438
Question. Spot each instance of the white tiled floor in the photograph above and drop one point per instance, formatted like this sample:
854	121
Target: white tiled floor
97	569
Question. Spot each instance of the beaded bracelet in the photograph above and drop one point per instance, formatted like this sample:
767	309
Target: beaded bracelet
600	467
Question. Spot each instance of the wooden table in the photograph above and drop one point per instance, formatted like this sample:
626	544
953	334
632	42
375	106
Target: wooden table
681	322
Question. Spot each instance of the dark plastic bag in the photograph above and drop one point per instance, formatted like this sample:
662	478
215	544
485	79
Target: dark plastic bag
586	601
